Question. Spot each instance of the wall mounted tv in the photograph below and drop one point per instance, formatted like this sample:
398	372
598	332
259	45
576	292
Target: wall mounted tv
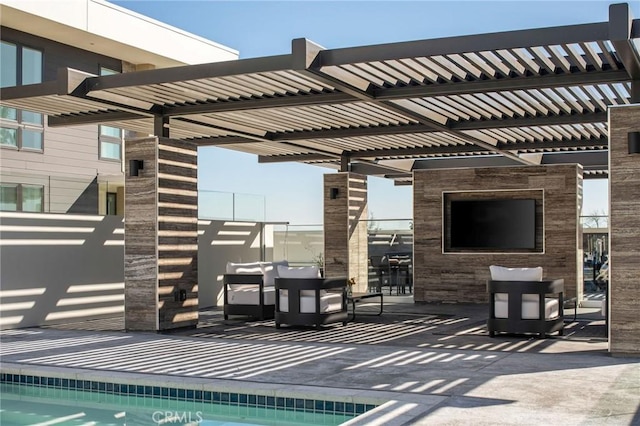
495	224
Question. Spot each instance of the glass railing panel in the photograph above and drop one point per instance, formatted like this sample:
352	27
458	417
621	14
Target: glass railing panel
249	207
230	206
301	245
390	255
598	222
595	268
215	205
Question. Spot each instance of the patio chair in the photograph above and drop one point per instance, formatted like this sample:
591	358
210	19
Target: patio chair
400	271
249	289
303	298
521	301
380	269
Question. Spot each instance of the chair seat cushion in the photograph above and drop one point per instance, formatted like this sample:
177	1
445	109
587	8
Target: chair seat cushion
329	302
529	309
244	294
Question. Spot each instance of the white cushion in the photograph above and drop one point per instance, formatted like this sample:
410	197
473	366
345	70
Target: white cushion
270	271
244	294
500	273
301	272
329	302
244	268
266	269
529	309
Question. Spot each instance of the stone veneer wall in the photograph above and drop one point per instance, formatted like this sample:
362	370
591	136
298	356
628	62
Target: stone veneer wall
161	235
461	277
624	232
345	233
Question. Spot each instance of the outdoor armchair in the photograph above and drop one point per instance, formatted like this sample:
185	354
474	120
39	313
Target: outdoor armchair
249	289
521	301
303	298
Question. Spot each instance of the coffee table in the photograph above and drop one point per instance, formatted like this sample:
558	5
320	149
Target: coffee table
354	298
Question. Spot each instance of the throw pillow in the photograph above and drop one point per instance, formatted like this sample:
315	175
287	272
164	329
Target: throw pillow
301	272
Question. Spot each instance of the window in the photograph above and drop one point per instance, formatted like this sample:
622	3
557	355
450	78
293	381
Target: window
112	203
20	129
8	197
21	197
110	143
110	137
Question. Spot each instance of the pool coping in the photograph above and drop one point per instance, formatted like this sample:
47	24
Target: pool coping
384	407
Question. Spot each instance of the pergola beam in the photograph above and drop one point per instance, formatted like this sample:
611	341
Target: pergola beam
188	72
596	117
463	44
253	104
621	25
445	150
98	118
373	169
589	159
593	160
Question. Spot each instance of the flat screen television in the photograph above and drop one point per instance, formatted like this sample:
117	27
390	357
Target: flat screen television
503	224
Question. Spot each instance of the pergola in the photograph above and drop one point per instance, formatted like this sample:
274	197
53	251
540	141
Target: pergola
531	97
536	96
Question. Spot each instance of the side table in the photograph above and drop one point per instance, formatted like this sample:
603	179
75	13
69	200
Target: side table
358	297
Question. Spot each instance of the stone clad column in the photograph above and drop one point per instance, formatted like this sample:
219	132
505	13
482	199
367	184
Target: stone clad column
161	235
624	233
345	233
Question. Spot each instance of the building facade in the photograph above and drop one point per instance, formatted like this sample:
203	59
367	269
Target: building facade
76	169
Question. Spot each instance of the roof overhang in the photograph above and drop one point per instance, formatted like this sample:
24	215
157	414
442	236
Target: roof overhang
438	103
96	26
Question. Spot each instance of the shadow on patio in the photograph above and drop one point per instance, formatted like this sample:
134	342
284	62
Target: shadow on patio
405	324
402	324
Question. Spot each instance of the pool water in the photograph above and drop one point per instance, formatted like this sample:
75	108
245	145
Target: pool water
22	404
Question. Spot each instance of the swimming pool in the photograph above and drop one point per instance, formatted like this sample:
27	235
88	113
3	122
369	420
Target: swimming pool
35	399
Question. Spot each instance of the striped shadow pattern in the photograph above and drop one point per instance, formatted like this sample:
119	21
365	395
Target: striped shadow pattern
222	360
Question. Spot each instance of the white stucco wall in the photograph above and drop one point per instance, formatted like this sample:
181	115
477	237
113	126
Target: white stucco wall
102	27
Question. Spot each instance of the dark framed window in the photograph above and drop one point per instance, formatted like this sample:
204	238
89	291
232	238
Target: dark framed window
20	65
17	197
110	138
112	203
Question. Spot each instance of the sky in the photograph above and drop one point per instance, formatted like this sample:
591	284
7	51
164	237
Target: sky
293	192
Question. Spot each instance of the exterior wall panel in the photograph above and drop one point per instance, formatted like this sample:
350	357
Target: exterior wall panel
141	231
624	223
69	162
177	233
57	269
461	277
161	236
345	234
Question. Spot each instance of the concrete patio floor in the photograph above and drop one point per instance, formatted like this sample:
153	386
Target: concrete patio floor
422	364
